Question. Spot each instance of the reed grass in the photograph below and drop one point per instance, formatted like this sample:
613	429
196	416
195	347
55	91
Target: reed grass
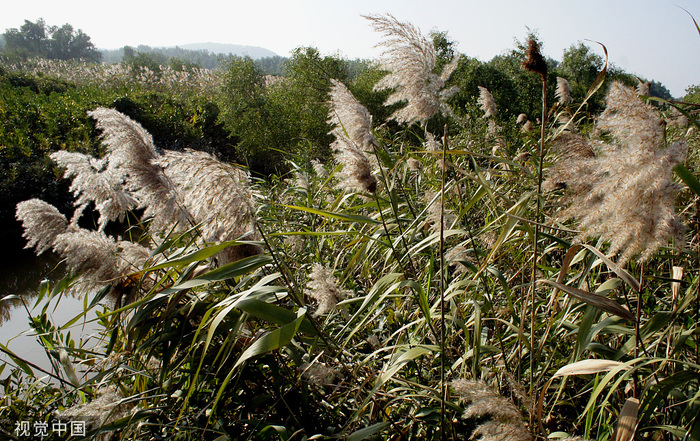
425	289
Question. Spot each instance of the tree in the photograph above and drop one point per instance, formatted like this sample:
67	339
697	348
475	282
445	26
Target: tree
246	113
287	116
527	97
659	90
137	60
67	44
444	48
30	40
303	96
580	65
39	40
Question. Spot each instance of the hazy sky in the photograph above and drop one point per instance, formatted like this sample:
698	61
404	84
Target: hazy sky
651	38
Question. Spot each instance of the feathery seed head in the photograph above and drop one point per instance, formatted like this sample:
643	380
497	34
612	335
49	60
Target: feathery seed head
90	253
643	88
217	197
318	373
42	223
623	191
563	92
132	153
504	423
436	212
356	174
353	137
535	61
486	102
323	287
319	169
350	118
106	408
631	121
413	164
410	59
94	181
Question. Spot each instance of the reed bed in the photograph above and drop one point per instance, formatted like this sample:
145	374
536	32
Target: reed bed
423	285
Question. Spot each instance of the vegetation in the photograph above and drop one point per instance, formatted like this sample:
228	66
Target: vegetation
360	251
52	42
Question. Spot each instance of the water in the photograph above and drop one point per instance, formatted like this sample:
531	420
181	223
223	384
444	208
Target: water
20	279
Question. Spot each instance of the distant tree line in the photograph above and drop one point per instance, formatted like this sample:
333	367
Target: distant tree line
181	59
37	39
252	118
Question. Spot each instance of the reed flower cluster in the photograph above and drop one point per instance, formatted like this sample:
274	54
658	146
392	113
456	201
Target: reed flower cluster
106	408
176	190
499	419
622	190
563	92
115	75
352	128
318	373
93	181
97	257
486	102
323	287
410	59
216	196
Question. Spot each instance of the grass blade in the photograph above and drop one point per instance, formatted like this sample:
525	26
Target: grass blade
273	340
600	302
585	367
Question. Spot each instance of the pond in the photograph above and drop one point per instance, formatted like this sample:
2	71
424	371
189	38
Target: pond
20	280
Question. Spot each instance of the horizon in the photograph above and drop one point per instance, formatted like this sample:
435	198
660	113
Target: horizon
656	40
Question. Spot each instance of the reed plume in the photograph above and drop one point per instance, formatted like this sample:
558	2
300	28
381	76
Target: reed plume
499	419
323	287
94	181
486	102
106	408
318	373
435	213
319	169
99	258
410	59
563	92
217	196
352	125
535	62
92	254
42	223
643	87
132	152
179	189
349	118
622	190
190	185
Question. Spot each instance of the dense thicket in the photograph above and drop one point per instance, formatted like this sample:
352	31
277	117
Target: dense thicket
433	253
252	117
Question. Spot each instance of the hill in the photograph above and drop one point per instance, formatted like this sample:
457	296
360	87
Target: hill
203	54
254	52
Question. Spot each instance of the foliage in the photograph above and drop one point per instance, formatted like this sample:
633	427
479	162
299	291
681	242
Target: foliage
447	301
40	40
278	115
41	115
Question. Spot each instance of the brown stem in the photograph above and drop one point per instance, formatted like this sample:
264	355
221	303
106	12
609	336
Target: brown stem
533	277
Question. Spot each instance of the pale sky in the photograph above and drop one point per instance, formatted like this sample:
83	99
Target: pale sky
655	39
